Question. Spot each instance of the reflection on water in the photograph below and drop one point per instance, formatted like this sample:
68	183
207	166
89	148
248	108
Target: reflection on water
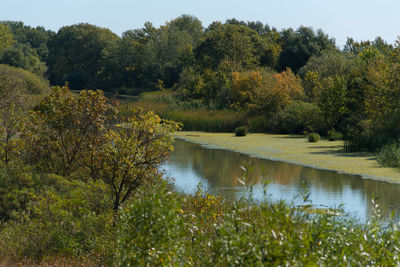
218	170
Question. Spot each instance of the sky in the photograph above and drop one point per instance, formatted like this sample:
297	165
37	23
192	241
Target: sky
359	19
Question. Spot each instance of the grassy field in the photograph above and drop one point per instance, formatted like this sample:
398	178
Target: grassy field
328	155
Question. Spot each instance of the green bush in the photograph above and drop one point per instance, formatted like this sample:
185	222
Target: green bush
64	218
313	137
241	131
259	124
150	231
34	84
333	135
297	117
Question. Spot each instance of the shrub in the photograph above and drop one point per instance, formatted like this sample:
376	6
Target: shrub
313	137
241	131
65	218
150	230
34	84
258	124
298	117
333	135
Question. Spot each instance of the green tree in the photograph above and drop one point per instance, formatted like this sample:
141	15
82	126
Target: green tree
37	38
332	99
329	64
76	55
12	106
24	57
236	43
6	37
162	54
270	36
35	85
298	46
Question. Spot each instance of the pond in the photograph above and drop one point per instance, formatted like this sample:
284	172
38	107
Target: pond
218	171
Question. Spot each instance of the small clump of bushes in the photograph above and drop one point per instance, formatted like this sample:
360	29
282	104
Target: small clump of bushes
241	131
334	135
313	137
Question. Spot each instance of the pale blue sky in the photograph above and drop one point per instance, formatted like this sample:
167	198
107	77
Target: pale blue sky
360	19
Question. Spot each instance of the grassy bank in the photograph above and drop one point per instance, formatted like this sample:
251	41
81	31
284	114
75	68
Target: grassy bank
324	154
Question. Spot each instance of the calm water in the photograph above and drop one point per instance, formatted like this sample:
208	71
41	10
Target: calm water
218	171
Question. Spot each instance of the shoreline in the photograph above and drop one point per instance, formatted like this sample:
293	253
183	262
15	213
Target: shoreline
323	155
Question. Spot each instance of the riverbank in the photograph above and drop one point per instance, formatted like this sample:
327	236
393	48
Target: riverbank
326	155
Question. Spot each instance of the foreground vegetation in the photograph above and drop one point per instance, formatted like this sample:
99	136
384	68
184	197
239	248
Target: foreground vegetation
162	227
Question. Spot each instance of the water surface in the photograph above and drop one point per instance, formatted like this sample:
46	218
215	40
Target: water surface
219	170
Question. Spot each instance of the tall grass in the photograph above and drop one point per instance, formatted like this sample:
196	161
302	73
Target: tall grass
389	155
207	120
194	115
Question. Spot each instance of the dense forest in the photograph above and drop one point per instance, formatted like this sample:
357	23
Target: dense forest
80	182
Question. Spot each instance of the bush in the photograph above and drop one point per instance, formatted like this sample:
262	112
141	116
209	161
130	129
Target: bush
313	137
258	124
34	84
333	135
150	230
297	117
241	131
64	218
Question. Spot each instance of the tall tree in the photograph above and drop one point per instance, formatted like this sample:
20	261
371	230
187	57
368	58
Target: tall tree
162	53
76	55
236	43
298	46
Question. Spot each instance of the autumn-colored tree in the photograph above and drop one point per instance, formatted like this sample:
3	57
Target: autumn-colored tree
244	87
265	93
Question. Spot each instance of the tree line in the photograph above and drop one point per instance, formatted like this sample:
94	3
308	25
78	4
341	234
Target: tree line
242	66
87	56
